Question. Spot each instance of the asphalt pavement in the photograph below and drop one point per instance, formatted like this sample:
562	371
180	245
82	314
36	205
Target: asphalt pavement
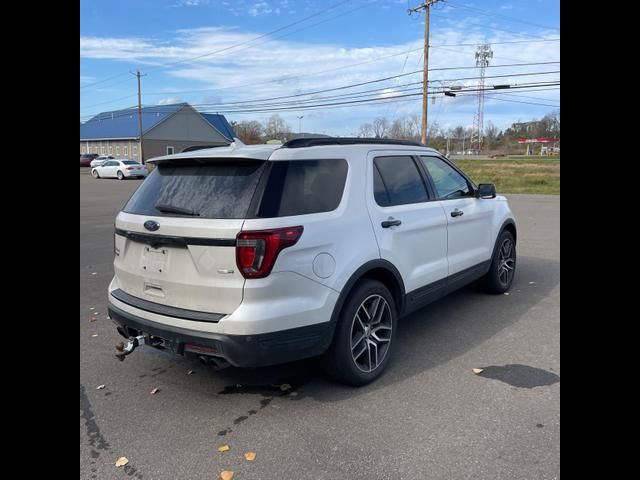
429	417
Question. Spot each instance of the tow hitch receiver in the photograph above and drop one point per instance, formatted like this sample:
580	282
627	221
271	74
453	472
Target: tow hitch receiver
131	346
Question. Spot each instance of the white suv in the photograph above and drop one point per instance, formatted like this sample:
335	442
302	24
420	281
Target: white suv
263	254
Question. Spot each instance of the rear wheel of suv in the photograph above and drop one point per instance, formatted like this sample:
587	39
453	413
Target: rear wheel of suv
120	175
364	335
95	174
503	265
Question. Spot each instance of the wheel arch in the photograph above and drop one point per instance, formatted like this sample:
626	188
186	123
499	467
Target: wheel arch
380	270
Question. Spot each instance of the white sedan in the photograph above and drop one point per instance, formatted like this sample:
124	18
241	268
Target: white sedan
119	169
101	160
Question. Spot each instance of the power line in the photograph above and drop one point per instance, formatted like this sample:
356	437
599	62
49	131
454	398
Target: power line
492	14
531	86
495	43
388	78
102	81
382	89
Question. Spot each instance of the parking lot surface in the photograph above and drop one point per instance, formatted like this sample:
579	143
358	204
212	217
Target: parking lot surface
428	417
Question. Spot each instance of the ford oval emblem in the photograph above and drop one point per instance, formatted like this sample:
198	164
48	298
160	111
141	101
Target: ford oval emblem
151	225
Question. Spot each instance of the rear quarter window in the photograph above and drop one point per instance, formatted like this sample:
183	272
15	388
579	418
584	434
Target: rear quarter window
302	187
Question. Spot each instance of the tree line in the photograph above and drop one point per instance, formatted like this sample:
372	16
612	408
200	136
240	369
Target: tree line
408	128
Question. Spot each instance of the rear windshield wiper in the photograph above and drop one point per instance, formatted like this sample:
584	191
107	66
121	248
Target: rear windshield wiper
164	208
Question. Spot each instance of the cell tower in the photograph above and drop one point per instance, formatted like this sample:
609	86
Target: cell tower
483	54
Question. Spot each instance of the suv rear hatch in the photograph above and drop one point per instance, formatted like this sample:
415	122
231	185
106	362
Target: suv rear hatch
175	238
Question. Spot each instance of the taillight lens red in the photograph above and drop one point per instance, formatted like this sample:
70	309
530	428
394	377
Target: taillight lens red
130	168
257	251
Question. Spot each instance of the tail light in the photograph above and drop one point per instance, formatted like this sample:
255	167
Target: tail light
257	251
129	168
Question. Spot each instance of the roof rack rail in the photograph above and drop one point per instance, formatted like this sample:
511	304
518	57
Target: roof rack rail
314	142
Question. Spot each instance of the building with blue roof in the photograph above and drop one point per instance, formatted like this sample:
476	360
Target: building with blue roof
166	129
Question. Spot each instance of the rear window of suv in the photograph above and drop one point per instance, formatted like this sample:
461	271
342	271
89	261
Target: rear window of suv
214	189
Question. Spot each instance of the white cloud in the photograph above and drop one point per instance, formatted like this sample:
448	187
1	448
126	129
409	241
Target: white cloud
265	69
169	101
191	3
260	8
506	7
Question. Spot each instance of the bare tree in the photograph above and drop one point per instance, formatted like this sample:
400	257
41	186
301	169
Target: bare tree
249	131
490	134
365	130
275	127
397	129
380	127
412	127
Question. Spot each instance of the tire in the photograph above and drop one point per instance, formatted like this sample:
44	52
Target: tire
500	276
95	174
120	175
355	343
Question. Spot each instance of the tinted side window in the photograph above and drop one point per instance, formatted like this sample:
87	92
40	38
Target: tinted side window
302	187
448	182
401	179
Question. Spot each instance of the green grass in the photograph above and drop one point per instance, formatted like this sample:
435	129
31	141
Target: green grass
516	176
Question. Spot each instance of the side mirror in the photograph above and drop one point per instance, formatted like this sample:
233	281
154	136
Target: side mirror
486	190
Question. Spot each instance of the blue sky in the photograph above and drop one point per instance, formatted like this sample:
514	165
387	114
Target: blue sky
356	41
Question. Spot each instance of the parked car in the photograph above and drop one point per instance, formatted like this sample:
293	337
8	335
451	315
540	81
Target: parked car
86	158
263	254
101	160
119	169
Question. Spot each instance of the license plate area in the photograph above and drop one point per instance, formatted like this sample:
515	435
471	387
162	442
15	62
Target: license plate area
154	260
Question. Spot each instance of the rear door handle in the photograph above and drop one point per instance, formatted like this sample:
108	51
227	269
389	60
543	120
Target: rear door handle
457	213
392	222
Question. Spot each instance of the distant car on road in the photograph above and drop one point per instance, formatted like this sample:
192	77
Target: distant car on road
119	169
101	160
86	158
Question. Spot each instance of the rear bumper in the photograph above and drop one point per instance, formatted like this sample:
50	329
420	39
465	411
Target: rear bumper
245	351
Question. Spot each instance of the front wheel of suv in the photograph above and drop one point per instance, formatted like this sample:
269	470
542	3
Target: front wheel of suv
503	265
364	335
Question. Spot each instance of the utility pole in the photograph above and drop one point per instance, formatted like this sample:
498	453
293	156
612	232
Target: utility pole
137	74
425	75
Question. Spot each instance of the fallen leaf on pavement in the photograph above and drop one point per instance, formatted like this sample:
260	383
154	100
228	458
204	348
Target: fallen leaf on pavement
94	335
223	448
155	390
99	387
226	475
251	456
93	319
190	372
285	386
91	308
477	370
293	394
122	461
94	273
532	283
506	293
